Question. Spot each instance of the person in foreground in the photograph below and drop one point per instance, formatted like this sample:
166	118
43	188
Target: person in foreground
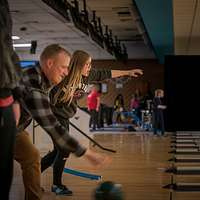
9	107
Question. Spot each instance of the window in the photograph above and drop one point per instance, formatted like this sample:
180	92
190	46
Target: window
25	63
104	88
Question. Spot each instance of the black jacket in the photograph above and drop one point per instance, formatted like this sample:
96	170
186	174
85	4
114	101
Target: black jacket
63	111
9	69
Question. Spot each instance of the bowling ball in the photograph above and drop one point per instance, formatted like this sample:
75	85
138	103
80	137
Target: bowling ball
108	190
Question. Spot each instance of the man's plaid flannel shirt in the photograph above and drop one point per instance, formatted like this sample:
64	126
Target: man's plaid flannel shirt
36	105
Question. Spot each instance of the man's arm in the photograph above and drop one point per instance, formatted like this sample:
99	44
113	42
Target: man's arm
38	105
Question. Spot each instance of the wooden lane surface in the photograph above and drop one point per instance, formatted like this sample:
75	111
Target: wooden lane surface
138	165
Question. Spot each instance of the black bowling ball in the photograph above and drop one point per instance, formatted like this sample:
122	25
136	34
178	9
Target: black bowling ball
108	190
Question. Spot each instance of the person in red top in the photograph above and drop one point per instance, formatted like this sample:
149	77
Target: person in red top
135	104
93	103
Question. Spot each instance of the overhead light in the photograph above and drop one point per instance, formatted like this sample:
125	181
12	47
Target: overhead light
22	45
14	37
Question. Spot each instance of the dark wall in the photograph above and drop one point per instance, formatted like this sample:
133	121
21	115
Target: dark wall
153	75
153	71
182	93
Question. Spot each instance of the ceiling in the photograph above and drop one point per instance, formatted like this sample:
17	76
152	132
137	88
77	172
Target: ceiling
158	20
46	26
187	27
34	20
173	26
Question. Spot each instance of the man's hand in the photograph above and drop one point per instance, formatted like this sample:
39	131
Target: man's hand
16	111
96	159
135	72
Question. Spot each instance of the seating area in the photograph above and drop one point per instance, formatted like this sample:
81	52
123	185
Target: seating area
126	121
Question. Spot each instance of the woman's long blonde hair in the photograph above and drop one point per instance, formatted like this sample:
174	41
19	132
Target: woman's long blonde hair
73	81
